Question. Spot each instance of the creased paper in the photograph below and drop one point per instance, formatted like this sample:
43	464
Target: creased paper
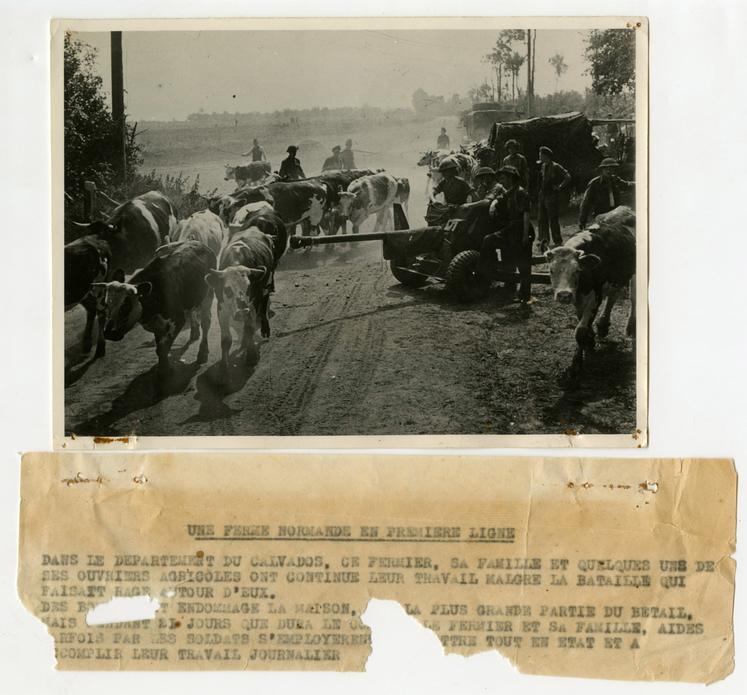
574	567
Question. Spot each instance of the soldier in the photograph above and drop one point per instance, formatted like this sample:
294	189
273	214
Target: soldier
517	160
486	187
333	162
603	192
348	158
553	179
290	167
515	235
455	189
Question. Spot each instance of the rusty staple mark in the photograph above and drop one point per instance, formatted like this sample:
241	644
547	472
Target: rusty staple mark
570	432
111	440
140	479
649	486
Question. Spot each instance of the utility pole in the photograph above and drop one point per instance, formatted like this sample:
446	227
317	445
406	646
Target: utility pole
119	157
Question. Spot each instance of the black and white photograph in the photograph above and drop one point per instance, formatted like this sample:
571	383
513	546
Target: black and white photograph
280	228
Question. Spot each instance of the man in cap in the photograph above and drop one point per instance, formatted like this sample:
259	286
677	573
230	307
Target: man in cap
603	192
518	161
443	143
486	187
515	235
290	167
553	179
257	152
456	190
347	156
333	162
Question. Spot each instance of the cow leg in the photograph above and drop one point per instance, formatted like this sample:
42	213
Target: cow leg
206	309
264	309
194	326
225	336
89	304
248	345
603	324
165	336
586	309
630	328
100	320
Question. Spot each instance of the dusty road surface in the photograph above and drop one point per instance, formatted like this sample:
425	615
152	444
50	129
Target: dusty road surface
355	352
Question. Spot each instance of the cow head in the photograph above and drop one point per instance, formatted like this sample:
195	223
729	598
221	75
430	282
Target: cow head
566	266
230	173
347	199
427	159
122	304
235	288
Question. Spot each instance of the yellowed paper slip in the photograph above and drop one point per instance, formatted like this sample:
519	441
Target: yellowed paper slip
576	567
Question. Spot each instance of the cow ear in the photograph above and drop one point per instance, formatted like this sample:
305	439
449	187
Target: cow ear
143	289
588	261
118	275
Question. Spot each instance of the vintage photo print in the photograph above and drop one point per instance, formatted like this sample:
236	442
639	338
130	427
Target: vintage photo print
421	232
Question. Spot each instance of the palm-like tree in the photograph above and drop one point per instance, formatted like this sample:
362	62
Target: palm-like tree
558	62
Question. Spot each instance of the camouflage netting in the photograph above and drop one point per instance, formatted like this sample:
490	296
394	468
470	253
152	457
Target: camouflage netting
568	135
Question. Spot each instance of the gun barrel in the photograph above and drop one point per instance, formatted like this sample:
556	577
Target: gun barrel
298	242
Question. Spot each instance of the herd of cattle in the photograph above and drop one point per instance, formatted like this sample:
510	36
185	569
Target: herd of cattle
228	251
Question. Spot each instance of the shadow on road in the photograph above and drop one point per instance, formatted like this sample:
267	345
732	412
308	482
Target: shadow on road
144	391
213	386
608	373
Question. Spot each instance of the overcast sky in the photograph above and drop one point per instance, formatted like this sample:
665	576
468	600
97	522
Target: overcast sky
172	74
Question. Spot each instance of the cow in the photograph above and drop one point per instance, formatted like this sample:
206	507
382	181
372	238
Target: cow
264	217
242	284
593	265
367	196
161	297
87	261
336	182
203	226
251	173
135	229
226	206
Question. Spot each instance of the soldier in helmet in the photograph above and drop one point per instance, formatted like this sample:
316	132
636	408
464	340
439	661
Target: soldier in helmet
515	235
290	167
455	189
486	187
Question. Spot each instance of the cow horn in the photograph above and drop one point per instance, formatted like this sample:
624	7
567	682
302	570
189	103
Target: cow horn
82	225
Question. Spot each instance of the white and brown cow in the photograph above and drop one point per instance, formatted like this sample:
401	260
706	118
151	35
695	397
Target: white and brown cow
161	297
242	284
370	195
595	265
87	261
203	226
136	229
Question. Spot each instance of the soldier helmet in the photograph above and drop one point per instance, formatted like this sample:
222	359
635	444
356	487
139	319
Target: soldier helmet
447	164
608	163
484	171
510	171
292	149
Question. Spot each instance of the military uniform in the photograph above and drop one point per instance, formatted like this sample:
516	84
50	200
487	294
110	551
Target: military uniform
519	162
455	189
332	162
553	179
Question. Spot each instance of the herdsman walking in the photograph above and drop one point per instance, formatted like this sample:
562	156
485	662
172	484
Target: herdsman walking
603	192
553	179
257	152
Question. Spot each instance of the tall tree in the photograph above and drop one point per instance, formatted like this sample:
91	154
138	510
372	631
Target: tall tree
559	64
611	56
513	65
500	57
91	139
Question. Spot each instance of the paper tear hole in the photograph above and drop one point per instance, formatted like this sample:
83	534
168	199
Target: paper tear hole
169	593
650	486
123	609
